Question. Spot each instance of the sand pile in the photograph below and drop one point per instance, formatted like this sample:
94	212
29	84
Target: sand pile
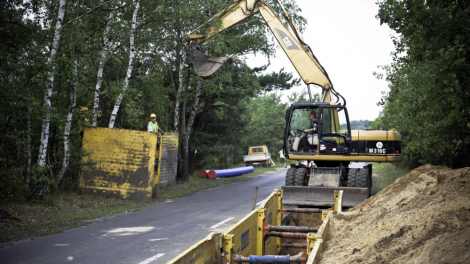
423	217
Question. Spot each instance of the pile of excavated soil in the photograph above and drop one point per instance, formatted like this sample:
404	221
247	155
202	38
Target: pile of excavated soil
423	217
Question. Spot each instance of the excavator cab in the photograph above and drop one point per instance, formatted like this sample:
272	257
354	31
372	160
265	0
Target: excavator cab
329	131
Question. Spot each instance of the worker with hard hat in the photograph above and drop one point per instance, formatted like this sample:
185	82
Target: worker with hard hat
153	125
84	119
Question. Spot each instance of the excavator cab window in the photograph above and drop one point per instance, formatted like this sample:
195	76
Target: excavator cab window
335	135
330	130
300	119
303	119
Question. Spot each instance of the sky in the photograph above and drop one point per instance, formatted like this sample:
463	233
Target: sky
350	44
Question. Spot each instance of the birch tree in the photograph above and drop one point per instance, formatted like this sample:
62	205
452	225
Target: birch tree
130	65
183	159
99	78
178	94
68	125
72	102
48	92
187	132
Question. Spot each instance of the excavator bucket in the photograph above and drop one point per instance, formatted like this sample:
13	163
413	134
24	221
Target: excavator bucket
206	66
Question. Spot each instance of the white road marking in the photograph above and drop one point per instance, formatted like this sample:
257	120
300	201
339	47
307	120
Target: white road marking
126	231
157	239
149	260
221	223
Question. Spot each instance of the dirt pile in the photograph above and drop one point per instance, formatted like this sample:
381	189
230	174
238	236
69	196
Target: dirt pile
423	217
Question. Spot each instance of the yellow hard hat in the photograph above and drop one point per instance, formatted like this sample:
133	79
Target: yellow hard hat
84	109
153	115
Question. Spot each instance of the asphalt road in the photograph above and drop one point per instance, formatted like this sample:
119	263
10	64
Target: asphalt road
153	235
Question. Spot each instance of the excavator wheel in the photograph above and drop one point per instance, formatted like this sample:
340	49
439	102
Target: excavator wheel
290	176
352	178
364	179
300	174
359	178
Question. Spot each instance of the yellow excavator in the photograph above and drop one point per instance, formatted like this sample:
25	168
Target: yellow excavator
318	134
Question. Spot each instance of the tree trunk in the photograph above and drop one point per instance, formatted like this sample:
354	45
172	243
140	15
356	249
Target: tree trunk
27	175
178	95
201	121
180	113
99	78
187	133
191	161
68	124
48	93
50	86
182	170
182	160
129	68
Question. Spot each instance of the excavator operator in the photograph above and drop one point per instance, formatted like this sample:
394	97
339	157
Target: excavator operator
304	145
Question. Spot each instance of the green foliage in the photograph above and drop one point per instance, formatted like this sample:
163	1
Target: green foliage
429	80
266	123
278	81
12	187
221	121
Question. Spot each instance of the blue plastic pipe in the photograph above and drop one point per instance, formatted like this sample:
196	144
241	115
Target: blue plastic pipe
230	172
269	259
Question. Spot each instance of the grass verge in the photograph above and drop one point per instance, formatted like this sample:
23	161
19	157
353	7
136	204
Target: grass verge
67	210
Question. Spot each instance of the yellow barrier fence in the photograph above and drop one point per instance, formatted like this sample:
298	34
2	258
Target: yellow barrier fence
121	163
247	237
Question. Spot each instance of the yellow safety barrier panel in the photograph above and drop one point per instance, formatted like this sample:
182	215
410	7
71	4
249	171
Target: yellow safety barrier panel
243	238
203	252
121	163
247	241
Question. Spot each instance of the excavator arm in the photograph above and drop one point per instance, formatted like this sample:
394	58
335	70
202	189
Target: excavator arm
297	51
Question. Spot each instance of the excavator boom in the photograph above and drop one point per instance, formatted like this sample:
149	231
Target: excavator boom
296	50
